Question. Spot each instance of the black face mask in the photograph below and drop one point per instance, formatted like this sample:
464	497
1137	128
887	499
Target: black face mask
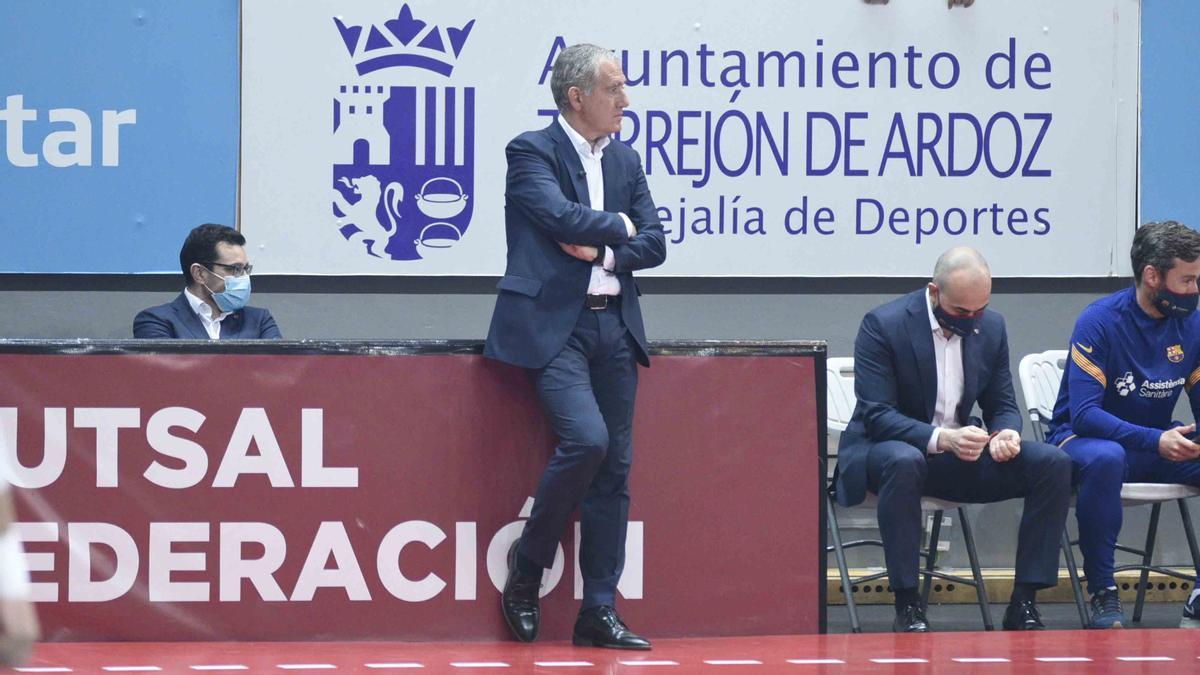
961	326
1175	305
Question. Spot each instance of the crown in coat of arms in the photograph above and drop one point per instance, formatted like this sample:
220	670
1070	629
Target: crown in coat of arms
404	42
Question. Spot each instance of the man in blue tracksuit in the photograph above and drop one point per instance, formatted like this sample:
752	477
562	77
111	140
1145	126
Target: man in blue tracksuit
1131	355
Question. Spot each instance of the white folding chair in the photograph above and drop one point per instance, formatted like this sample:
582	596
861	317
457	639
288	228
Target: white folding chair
839	406
1040	375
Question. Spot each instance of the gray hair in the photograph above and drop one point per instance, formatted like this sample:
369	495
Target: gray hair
958	259
577	66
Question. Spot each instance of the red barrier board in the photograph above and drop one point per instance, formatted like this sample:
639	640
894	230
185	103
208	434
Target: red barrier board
332	497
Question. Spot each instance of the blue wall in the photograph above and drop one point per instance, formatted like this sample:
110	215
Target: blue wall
176	64
1171	111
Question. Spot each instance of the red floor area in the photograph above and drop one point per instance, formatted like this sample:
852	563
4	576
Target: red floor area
1131	651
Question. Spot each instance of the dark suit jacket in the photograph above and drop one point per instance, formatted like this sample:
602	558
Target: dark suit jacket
895	382
546	201
176	320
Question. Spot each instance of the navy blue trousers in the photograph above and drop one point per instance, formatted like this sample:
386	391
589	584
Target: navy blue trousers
588	392
1100	466
900	474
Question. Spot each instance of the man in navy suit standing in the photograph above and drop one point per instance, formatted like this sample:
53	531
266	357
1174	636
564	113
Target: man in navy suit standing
579	220
921	363
213	302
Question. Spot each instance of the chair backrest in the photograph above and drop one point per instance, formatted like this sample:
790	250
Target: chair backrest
1041	374
839	392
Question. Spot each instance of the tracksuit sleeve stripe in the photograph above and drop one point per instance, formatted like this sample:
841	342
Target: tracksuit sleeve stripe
1090	368
1193	379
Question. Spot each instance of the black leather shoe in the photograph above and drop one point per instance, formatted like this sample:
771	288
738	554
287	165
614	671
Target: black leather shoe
910	619
1023	615
519	602
601	627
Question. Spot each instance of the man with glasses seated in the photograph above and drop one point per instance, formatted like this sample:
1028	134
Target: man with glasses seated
213	303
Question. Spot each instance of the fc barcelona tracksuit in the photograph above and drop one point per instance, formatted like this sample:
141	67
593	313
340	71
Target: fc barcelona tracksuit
1123	377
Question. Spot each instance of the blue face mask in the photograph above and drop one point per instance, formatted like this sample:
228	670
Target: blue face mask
236	293
1175	305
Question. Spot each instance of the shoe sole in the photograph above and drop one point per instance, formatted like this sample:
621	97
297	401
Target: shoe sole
1185	622
1115	624
588	642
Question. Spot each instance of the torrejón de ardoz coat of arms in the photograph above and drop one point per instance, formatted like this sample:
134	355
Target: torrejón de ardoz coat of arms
403	173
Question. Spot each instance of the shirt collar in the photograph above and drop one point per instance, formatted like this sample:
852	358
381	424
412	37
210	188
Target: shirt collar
933	322
202	308
582	145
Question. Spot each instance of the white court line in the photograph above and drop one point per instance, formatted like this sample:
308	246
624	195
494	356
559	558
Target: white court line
480	664
814	662
982	659
394	666
1144	658
648	663
899	660
218	667
131	669
1061	659
43	669
307	666
563	664
733	662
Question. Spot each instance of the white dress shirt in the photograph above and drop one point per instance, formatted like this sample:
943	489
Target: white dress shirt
948	353
205	312
603	281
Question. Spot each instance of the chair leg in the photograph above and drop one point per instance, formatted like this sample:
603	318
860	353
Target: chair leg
931	559
980	589
1190	532
1073	575
835	533
1147	555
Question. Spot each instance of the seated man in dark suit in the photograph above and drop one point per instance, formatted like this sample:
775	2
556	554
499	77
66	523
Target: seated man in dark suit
921	362
213	303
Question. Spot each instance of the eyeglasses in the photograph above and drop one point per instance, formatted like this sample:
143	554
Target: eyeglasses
237	270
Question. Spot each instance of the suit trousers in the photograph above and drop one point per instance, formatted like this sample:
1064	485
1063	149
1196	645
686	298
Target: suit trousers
588	392
900	474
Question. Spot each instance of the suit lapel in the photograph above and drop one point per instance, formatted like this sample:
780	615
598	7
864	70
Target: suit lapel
971	344
188	319
231	326
612	183
569	156
922	344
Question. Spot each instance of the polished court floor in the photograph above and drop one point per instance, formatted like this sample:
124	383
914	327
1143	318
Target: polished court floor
1154	651
1154	648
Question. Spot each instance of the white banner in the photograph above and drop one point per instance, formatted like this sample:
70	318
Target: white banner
779	138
